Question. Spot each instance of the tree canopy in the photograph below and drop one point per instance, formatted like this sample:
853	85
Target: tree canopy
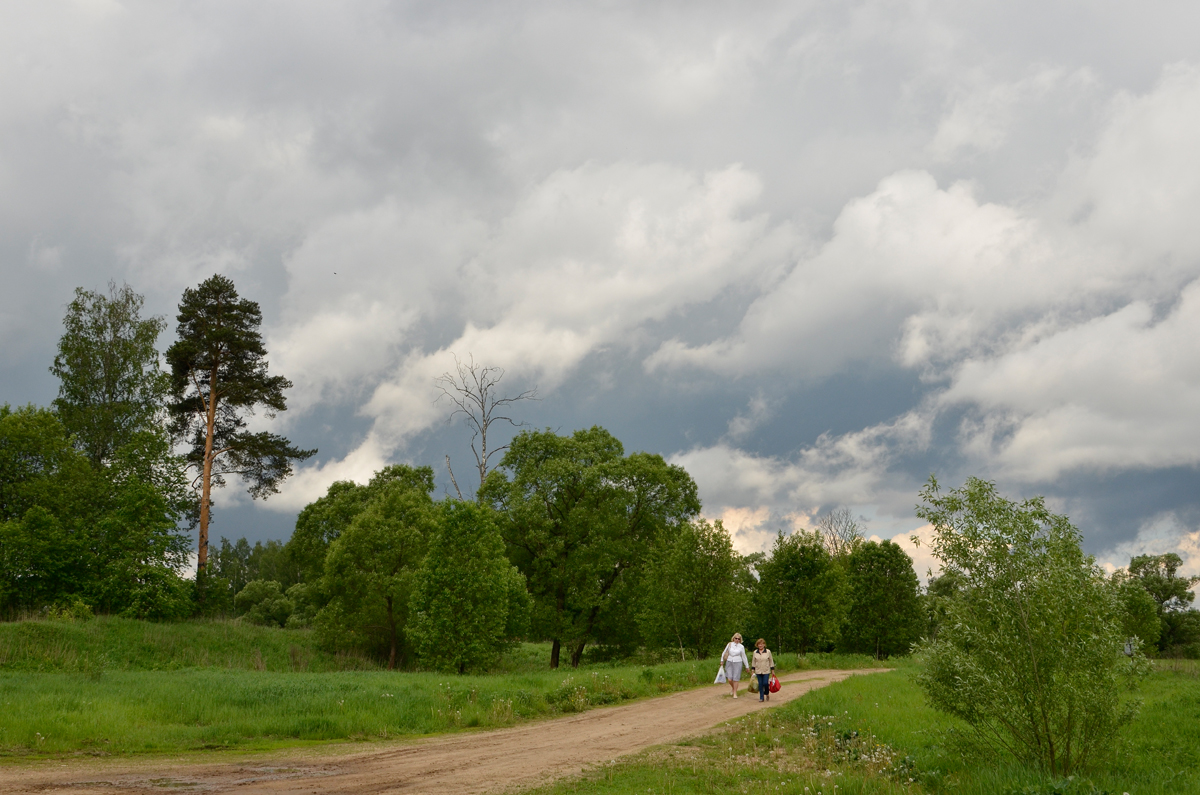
691	593
468	596
580	518
800	600
885	600
110	385
371	569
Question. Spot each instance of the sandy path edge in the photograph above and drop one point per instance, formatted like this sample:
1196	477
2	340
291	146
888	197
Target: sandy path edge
457	764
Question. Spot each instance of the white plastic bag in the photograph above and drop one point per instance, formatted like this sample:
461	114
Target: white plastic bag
720	680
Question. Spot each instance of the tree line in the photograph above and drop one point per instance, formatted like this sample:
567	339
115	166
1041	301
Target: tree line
567	539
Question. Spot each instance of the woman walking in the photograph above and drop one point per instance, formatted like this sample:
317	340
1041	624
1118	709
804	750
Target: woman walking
734	658
763	666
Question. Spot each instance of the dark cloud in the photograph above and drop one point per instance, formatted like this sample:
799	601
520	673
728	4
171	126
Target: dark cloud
814	250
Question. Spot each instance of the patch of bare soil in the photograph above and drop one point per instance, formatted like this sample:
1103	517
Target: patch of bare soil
505	759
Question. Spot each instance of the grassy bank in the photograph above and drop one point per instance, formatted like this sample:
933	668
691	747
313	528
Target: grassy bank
875	735
116	644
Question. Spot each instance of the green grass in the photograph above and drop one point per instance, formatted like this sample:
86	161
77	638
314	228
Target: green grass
118	644
127	712
874	734
117	686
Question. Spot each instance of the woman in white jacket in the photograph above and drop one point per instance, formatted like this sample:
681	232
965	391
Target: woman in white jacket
734	659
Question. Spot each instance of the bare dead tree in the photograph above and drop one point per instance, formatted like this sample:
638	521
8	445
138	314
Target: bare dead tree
473	389
839	532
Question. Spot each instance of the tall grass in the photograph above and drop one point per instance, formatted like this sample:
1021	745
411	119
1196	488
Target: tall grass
113	685
158	711
109	643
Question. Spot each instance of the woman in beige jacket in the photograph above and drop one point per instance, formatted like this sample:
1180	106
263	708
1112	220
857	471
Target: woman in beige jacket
763	666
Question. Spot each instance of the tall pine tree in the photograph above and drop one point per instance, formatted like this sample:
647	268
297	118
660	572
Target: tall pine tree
218	377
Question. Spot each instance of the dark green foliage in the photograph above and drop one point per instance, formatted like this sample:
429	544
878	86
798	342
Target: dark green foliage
1140	617
371	567
322	521
459	615
307	600
1030	654
579	521
1173	597
935	601
885	605
232	565
110	385
263	602
70	531
691	595
800	600
219	376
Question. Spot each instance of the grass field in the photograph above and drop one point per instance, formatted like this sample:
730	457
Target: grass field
114	686
874	734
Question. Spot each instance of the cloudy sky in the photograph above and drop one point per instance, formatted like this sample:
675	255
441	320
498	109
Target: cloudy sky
811	251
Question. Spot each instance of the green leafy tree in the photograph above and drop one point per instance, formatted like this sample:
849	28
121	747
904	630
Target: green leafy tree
71	532
460	609
1031	654
218	376
371	569
690	591
1140	617
935	601
325	519
110	385
139	554
885	603
580	518
1173	596
232	565
800	599
46	486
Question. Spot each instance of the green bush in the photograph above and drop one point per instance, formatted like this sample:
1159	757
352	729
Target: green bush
1031	654
263	602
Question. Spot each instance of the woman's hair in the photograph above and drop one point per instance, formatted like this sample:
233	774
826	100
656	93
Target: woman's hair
760	640
736	636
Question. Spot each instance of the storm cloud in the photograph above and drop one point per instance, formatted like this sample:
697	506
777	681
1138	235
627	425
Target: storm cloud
813	252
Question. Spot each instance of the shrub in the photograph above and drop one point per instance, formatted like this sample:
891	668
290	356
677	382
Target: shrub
1031	654
263	602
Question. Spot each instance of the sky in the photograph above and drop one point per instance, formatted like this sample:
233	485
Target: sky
813	252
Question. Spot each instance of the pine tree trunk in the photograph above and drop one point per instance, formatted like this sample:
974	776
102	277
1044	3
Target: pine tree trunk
555	647
210	425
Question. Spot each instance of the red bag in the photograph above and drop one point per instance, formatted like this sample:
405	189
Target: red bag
773	685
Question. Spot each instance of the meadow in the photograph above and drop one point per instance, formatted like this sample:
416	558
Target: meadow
116	686
874	734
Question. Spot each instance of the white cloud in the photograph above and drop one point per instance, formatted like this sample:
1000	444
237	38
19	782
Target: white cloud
1116	392
581	262
848	470
1158	536
933	265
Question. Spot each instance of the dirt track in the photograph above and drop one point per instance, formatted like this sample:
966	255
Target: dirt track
474	762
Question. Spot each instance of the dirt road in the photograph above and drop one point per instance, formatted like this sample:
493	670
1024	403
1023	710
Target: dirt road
474	762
